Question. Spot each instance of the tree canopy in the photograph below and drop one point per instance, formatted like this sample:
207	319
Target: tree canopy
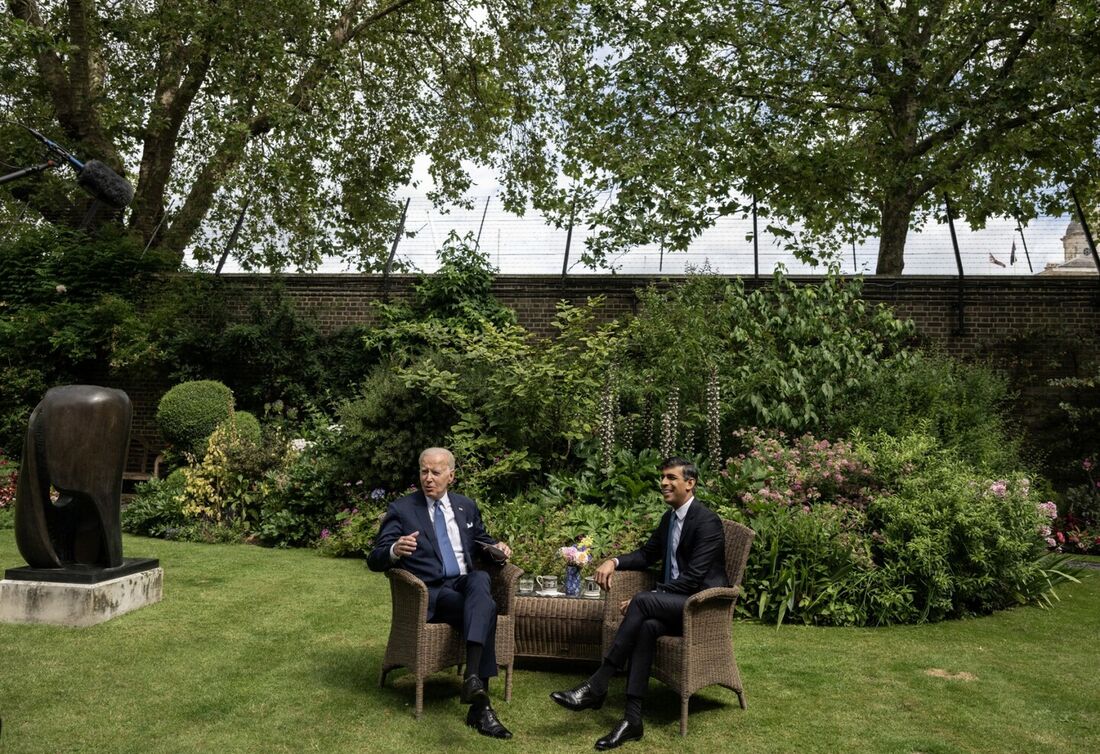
848	117
845	118
310	111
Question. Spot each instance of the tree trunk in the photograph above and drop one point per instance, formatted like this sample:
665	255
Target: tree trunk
897	208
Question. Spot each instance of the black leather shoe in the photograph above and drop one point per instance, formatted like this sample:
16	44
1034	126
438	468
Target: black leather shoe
473	690
486	722
623	731
580	698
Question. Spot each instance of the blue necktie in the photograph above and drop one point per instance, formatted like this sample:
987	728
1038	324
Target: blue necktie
670	556
446	551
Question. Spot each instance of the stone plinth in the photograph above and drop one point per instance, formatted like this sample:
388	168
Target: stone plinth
73	604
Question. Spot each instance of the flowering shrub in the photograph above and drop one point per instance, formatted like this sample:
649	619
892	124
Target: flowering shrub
799	474
881	530
1078	528
8	481
352	531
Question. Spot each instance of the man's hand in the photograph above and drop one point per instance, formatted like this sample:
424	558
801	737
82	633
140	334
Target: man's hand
505	549
623	606
405	545
603	573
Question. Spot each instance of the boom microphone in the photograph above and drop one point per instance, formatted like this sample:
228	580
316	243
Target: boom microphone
93	176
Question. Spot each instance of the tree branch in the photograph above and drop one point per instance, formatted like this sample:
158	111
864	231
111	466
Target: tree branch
181	74
228	153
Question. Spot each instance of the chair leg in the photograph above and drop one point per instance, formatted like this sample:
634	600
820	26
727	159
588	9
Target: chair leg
684	716
741	698
508	682
382	677
419	698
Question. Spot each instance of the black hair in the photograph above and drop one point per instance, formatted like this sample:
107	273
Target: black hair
674	462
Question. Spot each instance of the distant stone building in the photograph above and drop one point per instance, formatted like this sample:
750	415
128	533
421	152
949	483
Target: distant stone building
1078	257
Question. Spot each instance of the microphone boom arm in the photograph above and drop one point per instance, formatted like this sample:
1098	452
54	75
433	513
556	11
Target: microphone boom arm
41	168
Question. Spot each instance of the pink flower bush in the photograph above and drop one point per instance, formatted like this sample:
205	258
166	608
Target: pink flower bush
798	474
8	481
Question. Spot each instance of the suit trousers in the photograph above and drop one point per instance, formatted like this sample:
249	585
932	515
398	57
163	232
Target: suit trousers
466	602
650	616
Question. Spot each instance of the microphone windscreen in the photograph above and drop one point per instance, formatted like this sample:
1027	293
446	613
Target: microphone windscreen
105	184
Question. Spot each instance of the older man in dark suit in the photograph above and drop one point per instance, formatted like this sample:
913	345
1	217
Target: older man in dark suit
689	542
434	534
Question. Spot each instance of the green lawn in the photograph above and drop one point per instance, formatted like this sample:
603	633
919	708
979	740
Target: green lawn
256	650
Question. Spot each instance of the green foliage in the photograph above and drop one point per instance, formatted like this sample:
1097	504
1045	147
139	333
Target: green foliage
157	508
849	120
456	298
304	113
384	429
70	306
964	406
189	412
274	354
616	511
902	531
353	530
788	356
303	491
246	426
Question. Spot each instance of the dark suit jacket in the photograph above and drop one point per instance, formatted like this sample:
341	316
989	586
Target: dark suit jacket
700	554
409	514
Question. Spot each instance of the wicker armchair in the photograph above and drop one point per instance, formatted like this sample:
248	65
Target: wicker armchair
425	648
703	655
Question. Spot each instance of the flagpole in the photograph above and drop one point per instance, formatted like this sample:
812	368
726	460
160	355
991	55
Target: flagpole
960	311
1020	230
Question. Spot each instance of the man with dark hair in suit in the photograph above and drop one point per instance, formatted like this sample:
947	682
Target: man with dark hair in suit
690	543
433	534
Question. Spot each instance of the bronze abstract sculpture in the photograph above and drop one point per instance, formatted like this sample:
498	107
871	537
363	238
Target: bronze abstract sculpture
76	444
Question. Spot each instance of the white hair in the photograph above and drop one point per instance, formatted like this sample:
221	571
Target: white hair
447	455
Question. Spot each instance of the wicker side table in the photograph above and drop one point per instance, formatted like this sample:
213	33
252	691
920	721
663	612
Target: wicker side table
559	627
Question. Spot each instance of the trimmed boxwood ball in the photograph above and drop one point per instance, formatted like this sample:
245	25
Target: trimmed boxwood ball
190	411
248	426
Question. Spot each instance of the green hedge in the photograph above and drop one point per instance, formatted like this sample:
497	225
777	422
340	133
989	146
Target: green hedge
190	411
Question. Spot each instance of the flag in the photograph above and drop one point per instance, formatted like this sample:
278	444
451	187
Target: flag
1012	256
995	261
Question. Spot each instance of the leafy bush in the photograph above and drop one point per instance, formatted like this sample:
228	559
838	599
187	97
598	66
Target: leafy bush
189	412
72	306
903	531
962	405
384	429
303	491
157	508
787	357
353	529
246	425
522	404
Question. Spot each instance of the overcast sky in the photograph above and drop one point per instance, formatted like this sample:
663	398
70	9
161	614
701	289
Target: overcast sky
529	245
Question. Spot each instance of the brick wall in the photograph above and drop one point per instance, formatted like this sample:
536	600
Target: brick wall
1035	327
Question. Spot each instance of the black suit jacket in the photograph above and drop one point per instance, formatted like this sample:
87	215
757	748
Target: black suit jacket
409	514
700	554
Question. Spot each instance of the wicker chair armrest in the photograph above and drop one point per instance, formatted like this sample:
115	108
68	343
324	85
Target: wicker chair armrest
717	594
409	595
709	612
504	587
624	585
